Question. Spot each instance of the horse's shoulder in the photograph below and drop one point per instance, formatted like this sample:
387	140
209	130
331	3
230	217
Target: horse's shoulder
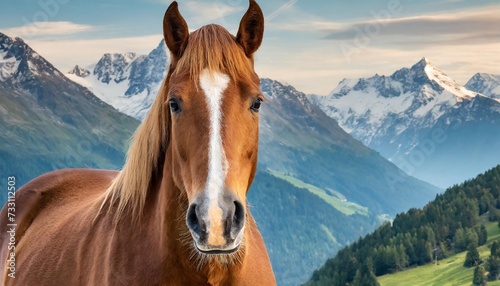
67	179
53	187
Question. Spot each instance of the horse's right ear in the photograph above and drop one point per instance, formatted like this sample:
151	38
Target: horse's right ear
175	30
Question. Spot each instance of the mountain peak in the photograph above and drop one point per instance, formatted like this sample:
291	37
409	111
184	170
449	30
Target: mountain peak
447	83
160	50
18	60
425	71
79	71
422	64
485	83
119	56
486	76
7	41
113	67
4	39
17	48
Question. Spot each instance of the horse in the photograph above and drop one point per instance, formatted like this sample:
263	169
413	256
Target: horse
176	213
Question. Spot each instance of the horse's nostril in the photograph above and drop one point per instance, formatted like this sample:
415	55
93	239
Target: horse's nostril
239	214
192	220
237	220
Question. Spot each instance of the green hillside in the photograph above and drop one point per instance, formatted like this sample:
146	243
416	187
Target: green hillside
335	199
449	271
451	224
300	229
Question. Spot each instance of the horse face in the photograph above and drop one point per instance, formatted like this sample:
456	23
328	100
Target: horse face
214	139
214	126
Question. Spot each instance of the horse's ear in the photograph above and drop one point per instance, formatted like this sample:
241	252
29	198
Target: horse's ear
175	30
251	29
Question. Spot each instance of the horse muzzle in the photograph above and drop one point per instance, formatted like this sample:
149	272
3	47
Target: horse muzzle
217	226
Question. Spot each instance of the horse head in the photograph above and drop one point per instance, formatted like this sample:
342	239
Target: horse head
213	100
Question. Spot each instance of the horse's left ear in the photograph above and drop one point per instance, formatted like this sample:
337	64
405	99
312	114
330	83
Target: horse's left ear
175	30
251	29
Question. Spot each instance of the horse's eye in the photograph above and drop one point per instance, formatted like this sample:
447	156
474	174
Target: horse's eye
256	105
174	106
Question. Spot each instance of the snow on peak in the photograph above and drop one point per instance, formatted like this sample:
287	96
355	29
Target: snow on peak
8	63
114	67
344	86
79	71
421	64
447	83
18	59
484	83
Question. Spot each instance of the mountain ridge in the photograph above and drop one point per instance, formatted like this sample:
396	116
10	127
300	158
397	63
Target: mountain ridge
397	114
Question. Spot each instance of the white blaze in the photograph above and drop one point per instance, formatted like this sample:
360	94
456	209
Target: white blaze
213	85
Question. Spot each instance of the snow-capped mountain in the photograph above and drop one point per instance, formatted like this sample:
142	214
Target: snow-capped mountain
422	120
487	84
49	122
127	81
19	62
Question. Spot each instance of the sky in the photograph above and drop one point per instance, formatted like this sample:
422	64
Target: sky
311	44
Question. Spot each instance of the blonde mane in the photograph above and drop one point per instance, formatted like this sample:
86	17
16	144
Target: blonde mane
211	47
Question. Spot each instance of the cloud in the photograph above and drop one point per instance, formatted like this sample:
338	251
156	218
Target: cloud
453	28
202	12
480	25
314	25
47	29
65	54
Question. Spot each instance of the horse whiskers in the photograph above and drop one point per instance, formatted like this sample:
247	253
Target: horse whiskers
200	259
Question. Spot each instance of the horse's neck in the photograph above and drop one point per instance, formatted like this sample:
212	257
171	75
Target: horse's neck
169	217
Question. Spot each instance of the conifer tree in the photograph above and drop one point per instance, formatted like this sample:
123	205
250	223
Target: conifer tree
482	235
494	249
478	278
493	266
472	258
